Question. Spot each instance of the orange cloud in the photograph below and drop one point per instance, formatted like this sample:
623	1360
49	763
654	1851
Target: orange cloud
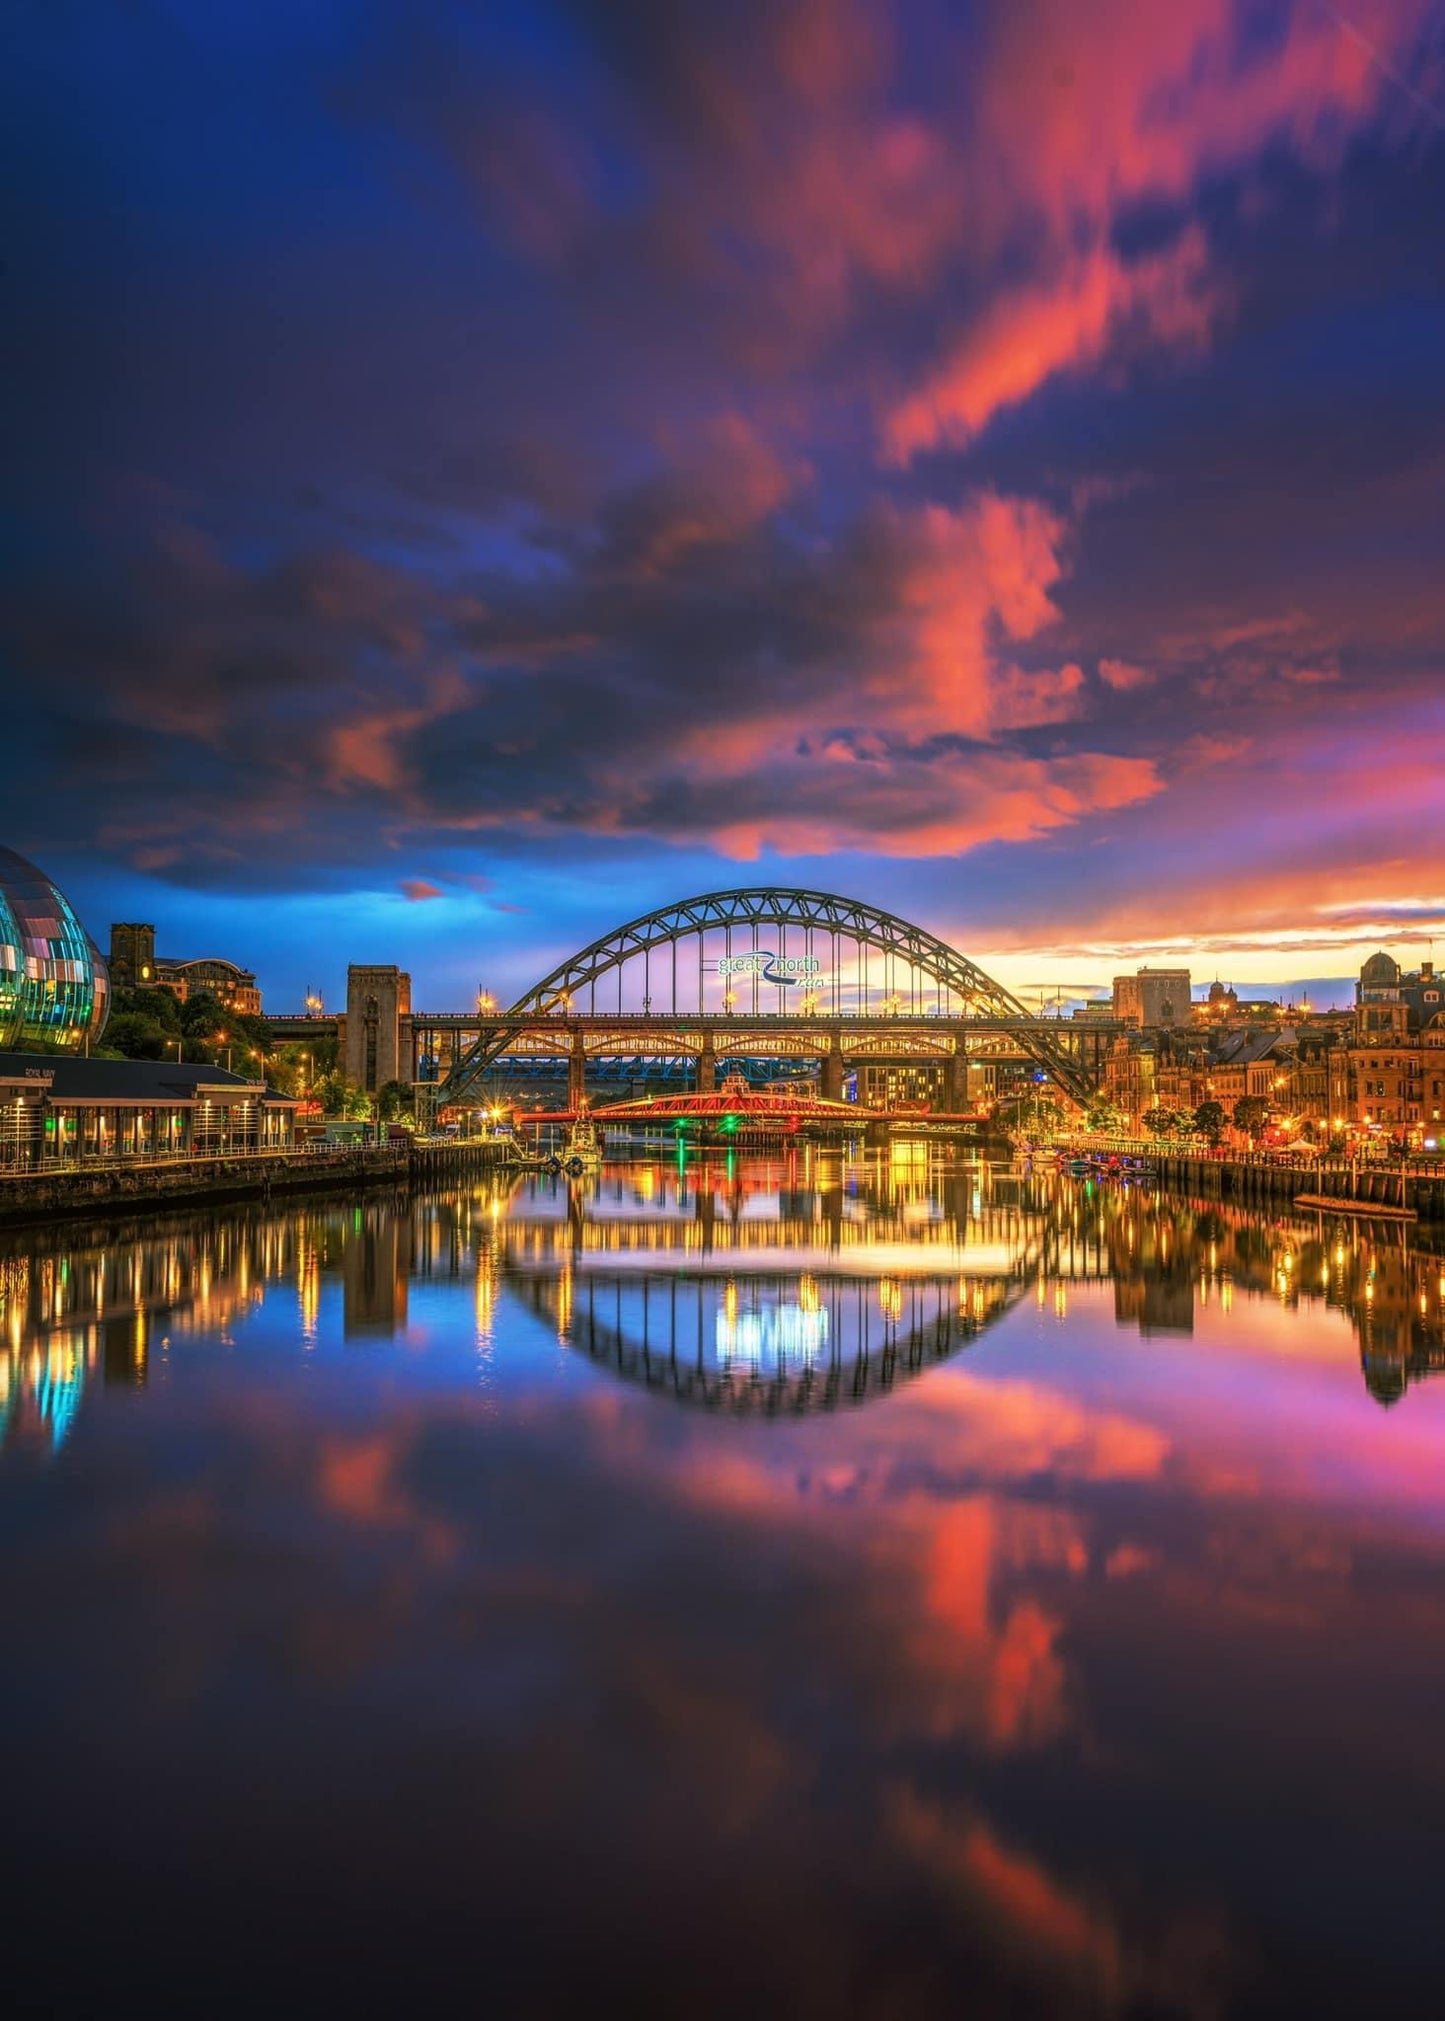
1024	338
1047	1922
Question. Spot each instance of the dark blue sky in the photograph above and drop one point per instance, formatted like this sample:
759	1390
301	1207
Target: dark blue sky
476	473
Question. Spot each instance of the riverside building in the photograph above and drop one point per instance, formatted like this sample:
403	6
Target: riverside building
54	985
56	1111
134	964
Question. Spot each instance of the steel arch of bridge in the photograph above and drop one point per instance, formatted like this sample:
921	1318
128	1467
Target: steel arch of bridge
827	1385
768	905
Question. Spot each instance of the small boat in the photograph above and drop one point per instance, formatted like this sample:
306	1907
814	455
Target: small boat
582	1151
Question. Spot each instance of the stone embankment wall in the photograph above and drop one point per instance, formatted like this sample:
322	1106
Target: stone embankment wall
118	1186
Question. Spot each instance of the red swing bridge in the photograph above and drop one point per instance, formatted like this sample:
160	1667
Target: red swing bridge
733	1114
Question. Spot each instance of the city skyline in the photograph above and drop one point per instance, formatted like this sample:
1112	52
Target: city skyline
484	476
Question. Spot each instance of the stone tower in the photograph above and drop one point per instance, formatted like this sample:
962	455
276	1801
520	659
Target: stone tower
132	955
378	1024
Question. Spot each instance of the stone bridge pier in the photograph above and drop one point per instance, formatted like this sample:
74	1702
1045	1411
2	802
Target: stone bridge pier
831	1085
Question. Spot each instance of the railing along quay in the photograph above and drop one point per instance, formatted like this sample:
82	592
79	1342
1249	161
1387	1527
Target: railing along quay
54	1189
1272	1179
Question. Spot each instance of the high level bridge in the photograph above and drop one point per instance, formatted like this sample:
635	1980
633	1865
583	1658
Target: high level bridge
807	980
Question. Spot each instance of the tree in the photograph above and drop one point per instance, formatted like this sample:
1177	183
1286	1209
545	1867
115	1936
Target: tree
342	1098
294	1069
157	1006
393	1099
202	1014
1209	1120
1251	1112
1104	1116
134	1036
1160	1122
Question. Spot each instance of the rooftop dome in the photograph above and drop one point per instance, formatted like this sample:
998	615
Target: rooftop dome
1381	968
54	984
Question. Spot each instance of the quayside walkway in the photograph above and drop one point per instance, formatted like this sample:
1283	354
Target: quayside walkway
52	1192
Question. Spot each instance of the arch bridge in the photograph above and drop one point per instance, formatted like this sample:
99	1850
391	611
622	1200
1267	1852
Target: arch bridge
778	972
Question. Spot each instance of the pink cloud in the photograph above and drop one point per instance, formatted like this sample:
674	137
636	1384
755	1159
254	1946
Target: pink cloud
960	574
1069	322
910	806
417	890
1123	675
1128	107
1023	700
1141	103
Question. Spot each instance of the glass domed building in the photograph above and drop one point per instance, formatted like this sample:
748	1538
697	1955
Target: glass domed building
54	984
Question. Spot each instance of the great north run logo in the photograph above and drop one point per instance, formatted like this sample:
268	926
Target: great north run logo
783	968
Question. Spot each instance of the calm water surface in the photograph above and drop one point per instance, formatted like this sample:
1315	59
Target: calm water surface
895	1588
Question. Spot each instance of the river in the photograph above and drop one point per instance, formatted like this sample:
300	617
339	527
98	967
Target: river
895	1586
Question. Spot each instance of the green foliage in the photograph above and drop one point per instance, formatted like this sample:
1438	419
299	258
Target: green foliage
296	1068
146	1024
393	1100
1161	1122
1105	1117
156	1006
202	1014
132	1035
342	1098
1209	1120
1251	1112
1039	1112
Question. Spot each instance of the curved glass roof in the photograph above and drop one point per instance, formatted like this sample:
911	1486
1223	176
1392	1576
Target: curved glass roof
54	984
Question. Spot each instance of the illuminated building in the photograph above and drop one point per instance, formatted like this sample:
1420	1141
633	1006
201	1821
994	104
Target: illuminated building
1390	1002
134	964
53	1111
211	975
54	984
1153	996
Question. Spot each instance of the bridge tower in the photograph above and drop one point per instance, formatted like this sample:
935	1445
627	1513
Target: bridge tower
831	1082
577	1072
377	1028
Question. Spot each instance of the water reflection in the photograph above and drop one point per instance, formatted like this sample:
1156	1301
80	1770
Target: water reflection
805	1283
361	1576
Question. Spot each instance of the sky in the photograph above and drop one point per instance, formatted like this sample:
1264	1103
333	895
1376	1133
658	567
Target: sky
476	473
